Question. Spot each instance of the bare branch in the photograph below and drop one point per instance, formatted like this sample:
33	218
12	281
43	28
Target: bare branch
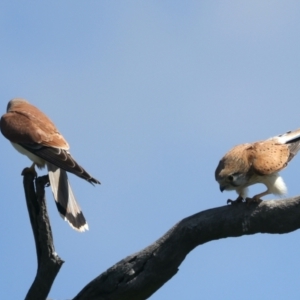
49	263
139	275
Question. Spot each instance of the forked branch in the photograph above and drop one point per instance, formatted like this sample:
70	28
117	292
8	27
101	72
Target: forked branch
140	275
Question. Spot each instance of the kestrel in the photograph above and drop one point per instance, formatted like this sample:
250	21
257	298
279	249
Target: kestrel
33	134
258	162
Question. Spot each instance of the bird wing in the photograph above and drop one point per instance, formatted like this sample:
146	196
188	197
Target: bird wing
292	140
288	137
30	126
62	159
27	126
268	157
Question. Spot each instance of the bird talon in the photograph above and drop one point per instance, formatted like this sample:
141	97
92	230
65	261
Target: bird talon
30	170
229	201
253	200
238	200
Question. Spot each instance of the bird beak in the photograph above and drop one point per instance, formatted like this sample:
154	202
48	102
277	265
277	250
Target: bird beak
222	188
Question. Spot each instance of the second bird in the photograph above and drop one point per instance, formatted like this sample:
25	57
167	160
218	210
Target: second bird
33	134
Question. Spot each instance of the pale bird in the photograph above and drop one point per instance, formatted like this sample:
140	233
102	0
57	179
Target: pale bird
33	134
258	162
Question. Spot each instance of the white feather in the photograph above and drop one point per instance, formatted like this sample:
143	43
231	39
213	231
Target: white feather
286	137
63	194
39	161
275	184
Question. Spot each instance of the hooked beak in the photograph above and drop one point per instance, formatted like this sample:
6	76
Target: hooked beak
222	188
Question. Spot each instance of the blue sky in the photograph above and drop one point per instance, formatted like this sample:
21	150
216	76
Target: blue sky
150	95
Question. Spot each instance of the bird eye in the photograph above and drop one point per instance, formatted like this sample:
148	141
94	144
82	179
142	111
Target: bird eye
230	178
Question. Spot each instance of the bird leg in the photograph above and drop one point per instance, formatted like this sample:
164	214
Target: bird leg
256	198
30	170
239	199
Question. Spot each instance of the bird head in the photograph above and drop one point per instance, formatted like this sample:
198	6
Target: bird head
232	181
230	177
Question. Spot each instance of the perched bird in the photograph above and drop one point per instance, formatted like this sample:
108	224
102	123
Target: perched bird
33	134
258	162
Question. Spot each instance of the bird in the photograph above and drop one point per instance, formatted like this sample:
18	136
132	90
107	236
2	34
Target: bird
259	162
33	134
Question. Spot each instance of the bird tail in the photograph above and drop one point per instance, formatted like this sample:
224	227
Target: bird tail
64	198
292	139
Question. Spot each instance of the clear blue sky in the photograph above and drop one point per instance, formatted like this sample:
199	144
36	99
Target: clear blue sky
150	95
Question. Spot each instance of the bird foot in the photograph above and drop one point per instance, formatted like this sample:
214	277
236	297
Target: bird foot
253	200
238	200
30	170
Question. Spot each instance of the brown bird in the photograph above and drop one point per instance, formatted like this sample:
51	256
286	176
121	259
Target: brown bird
258	162
33	134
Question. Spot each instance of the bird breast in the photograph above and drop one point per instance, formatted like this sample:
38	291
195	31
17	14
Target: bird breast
37	160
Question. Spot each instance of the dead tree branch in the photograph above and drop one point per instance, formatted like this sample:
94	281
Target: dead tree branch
139	275
49	263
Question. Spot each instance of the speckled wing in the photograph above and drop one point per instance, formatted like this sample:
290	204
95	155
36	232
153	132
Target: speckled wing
292	140
268	157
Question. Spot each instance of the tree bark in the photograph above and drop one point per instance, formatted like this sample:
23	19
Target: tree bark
49	263
139	275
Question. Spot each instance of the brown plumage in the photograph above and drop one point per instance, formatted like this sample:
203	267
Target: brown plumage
32	133
258	162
